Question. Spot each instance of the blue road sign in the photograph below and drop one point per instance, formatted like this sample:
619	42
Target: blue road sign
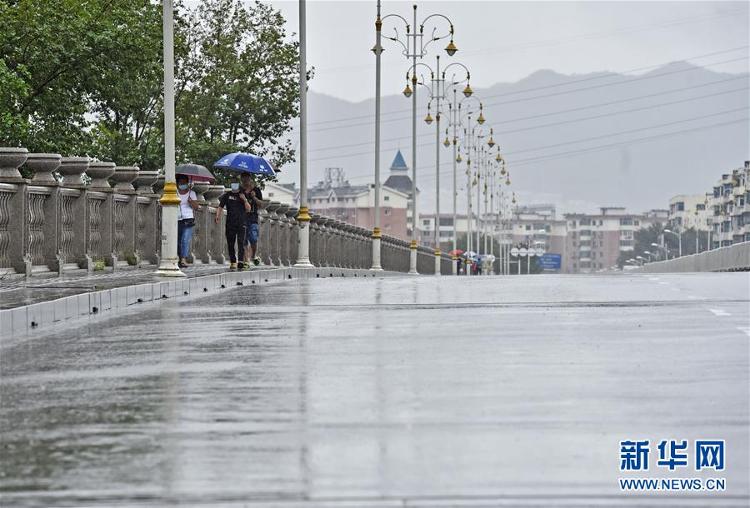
551	261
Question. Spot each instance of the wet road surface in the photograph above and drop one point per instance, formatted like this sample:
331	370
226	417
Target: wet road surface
417	391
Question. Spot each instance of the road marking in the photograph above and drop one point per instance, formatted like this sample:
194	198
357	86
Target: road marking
744	329
653	278
720	312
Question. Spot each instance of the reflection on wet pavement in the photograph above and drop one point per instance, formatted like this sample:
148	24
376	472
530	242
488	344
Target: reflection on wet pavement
371	392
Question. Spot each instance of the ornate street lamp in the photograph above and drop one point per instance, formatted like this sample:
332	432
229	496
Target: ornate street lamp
170	202
414	46
438	87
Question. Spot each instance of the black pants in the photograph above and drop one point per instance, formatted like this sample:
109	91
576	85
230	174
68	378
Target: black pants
235	235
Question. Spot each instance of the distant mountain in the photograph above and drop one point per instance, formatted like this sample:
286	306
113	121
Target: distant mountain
580	141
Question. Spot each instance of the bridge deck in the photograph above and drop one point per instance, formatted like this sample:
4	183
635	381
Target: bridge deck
418	391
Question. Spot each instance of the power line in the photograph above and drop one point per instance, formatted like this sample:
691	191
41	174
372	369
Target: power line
609	75
564	92
630	131
336	147
521	162
532	160
538	148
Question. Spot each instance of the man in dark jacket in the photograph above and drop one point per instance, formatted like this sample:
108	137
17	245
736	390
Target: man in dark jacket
237	208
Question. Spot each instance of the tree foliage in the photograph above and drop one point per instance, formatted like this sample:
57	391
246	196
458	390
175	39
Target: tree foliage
84	77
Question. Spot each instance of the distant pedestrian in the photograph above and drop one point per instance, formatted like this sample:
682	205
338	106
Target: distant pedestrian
186	219
237	208
252	195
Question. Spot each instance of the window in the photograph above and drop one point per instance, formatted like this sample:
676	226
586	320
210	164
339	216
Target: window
270	194
626	221
700	206
680	205
426	222
446	221
585	222
386	198
387	211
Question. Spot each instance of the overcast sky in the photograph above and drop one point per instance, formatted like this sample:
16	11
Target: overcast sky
505	41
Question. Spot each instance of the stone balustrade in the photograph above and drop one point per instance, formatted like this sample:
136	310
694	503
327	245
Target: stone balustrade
732	258
78	214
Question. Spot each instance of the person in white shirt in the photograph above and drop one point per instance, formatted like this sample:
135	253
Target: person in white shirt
186	223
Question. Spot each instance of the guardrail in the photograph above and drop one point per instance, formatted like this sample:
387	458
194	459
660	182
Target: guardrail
79	214
725	259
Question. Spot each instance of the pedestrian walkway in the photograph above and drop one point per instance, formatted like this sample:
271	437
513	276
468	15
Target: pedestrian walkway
18	290
379	392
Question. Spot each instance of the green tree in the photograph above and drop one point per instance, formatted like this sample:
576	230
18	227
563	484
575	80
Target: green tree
126	96
238	83
85	78
49	52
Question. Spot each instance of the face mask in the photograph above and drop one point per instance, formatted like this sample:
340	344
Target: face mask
235	186
183	186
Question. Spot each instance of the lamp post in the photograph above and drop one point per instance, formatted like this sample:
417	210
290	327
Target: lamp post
169	200
472	138
679	240
666	251
376	235
303	215
437	89
416	47
710	225
697	232
454	120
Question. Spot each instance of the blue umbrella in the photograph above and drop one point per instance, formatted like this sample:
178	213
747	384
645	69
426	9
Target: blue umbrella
245	163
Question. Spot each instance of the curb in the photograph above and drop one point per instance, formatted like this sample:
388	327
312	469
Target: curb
21	320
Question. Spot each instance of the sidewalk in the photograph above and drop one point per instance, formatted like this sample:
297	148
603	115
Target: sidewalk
39	303
18	290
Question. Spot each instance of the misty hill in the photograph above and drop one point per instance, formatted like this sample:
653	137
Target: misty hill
546	121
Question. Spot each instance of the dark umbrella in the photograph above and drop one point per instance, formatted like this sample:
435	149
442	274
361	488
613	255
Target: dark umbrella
196	172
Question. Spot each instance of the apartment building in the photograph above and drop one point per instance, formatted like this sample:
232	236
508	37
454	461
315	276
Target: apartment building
595	241
730	208
689	211
538	226
427	229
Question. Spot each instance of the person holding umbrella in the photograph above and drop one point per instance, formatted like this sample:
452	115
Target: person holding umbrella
237	206
186	220
243	203
186	173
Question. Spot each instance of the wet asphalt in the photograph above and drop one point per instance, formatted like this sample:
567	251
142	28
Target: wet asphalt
413	391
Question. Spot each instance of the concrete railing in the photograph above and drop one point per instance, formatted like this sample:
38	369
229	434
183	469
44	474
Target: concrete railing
732	258
78	214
